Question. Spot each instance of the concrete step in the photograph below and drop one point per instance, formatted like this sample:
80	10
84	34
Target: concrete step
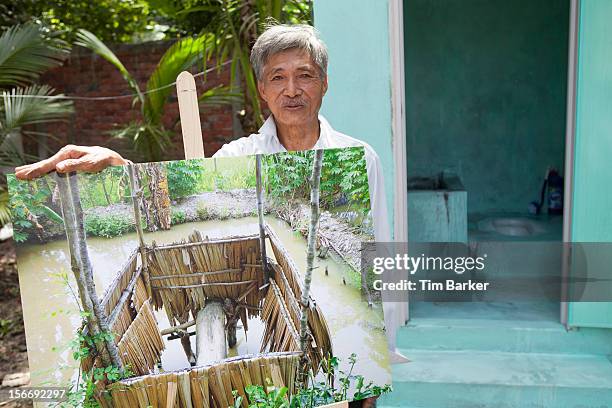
522	336
477	379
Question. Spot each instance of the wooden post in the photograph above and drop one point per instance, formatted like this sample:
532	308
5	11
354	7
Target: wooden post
190	116
260	213
141	243
97	321
315	182
210	334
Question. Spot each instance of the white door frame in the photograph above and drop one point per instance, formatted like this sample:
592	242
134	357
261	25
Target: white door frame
570	140
398	105
398	127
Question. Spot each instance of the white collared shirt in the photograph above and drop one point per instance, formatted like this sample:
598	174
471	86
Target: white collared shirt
266	141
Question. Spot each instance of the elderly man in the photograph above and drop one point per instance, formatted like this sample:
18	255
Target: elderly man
290	64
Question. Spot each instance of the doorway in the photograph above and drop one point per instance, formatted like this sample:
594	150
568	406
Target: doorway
486	104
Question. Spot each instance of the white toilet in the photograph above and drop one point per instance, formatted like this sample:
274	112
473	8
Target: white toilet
512	226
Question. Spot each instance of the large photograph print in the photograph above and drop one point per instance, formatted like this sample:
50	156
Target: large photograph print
210	282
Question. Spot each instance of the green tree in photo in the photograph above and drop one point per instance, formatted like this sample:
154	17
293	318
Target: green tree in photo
31	206
184	177
343	178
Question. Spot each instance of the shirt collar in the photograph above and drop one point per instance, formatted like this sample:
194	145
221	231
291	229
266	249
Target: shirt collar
269	129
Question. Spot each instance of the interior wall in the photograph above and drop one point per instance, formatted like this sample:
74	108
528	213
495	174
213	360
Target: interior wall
485	94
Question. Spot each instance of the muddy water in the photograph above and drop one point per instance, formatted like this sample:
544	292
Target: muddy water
51	315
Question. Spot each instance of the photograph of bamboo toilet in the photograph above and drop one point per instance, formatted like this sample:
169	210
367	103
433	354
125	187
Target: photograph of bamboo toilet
218	281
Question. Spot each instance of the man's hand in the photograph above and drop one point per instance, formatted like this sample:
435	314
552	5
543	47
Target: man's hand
72	158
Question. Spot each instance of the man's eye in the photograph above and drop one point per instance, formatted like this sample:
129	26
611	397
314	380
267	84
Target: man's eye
277	78
306	76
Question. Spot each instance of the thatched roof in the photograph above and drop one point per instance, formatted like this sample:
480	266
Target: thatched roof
205	386
184	276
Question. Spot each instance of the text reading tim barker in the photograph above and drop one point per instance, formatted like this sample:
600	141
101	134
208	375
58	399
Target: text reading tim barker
412	264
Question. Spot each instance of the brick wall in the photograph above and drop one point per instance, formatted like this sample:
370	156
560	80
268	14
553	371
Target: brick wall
86	74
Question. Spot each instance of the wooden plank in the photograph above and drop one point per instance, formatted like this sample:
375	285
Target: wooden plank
190	116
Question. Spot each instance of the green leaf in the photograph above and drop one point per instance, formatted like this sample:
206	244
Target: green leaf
25	53
180	57
52	215
89	40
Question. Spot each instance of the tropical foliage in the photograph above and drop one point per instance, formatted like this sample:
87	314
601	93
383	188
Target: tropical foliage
25	53
110	20
344	177
108	187
184	177
318	393
235	25
148	135
32	207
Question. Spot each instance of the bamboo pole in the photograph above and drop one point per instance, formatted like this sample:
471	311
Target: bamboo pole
141	246
122	299
173	329
315	182
97	320
196	274
204	285
260	211
208	241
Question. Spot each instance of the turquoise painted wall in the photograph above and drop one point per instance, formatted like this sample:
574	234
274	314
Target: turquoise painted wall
592	209
358	101
485	94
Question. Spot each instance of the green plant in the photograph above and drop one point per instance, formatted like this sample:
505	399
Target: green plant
343	176
110	186
271	397
6	327
178	217
111	20
30	203
26	51
203	211
317	393
108	226
224	213
148	135
184	177
81	393
235	25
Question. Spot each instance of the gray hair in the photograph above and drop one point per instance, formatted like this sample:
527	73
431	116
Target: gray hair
282	37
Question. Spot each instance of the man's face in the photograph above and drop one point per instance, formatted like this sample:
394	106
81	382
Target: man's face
293	88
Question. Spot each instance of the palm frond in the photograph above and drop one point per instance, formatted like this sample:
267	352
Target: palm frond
28	106
220	95
90	41
25	53
149	141
180	57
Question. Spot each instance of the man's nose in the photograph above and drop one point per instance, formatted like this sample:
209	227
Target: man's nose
292	89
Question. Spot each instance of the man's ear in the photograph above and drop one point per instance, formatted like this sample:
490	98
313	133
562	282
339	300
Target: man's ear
325	85
262	93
